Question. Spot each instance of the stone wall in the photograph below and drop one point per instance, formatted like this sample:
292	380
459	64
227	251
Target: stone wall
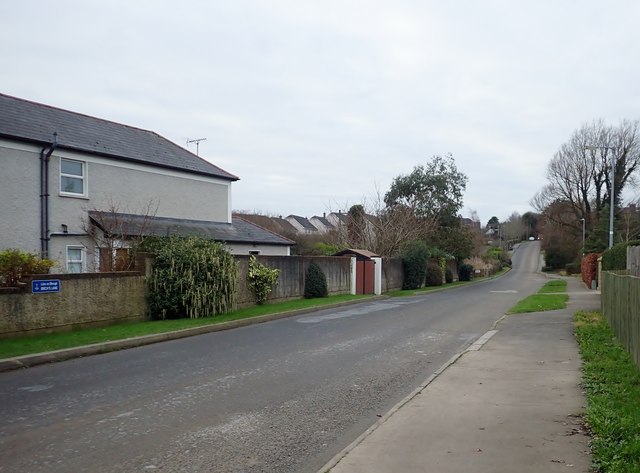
84	300
99	299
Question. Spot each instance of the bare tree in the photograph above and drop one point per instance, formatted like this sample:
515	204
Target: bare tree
629	225
374	226
514	227
579	174
117	234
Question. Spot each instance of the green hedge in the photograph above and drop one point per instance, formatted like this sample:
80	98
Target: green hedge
434	275
414	263
192	277
465	272
15	265
615	258
315	282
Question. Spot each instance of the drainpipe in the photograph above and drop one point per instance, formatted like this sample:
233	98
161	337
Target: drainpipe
45	155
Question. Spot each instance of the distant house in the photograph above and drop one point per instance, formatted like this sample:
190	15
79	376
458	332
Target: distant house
322	224
472	224
302	225
59	166
274	224
337	219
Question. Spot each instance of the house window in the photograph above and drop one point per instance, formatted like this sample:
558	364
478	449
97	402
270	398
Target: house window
72	177
75	259
254	252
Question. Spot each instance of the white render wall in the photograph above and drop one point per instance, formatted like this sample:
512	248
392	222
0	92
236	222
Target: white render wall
19	200
129	187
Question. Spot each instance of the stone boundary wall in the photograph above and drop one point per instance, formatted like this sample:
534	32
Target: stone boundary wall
84	300
100	299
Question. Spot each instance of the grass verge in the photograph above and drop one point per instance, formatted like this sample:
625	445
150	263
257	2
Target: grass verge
57	341
611	381
555	286
550	297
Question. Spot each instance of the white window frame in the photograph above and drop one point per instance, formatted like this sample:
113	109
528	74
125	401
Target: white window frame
82	260
83	178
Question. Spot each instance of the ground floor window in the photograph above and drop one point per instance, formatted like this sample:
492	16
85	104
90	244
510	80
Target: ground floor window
75	259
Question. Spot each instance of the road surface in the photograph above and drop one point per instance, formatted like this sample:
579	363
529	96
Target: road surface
283	396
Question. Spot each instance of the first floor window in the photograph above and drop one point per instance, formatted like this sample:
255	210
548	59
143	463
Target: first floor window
75	259
72	177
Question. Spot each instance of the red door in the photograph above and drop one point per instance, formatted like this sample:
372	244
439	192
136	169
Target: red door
365	274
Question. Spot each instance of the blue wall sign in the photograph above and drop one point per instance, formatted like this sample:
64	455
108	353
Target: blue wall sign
39	286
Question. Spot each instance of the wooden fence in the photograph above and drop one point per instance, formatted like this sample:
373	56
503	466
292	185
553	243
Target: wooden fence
633	260
621	308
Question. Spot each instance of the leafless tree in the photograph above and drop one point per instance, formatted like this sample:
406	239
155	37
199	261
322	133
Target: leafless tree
514	227
117	234
580	172
382	229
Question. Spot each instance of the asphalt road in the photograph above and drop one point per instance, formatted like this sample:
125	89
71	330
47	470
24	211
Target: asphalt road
283	396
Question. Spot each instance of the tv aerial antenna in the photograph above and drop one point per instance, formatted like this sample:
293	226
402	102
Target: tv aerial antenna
197	142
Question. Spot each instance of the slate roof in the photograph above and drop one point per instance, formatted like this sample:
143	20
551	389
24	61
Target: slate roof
239	231
323	221
342	218
274	224
304	222
34	122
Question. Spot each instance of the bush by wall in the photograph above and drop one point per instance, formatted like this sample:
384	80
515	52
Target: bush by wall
434	275
615	258
192	277
261	280
315	282
414	262
291	280
448	276
589	268
465	272
16	265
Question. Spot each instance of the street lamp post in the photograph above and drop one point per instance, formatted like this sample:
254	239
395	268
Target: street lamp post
613	178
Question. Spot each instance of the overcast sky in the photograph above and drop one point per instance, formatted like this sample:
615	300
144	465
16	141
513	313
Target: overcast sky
316	104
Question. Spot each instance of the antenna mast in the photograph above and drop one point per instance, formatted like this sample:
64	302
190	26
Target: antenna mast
197	142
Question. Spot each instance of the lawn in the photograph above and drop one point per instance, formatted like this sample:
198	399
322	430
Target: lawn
550	297
57	341
611	381
554	286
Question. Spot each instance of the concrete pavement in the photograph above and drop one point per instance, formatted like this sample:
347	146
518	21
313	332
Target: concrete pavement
512	402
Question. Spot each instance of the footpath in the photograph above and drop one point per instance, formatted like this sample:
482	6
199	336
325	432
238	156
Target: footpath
511	402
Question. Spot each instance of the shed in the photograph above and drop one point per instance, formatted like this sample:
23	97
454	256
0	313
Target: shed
365	270
361	255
